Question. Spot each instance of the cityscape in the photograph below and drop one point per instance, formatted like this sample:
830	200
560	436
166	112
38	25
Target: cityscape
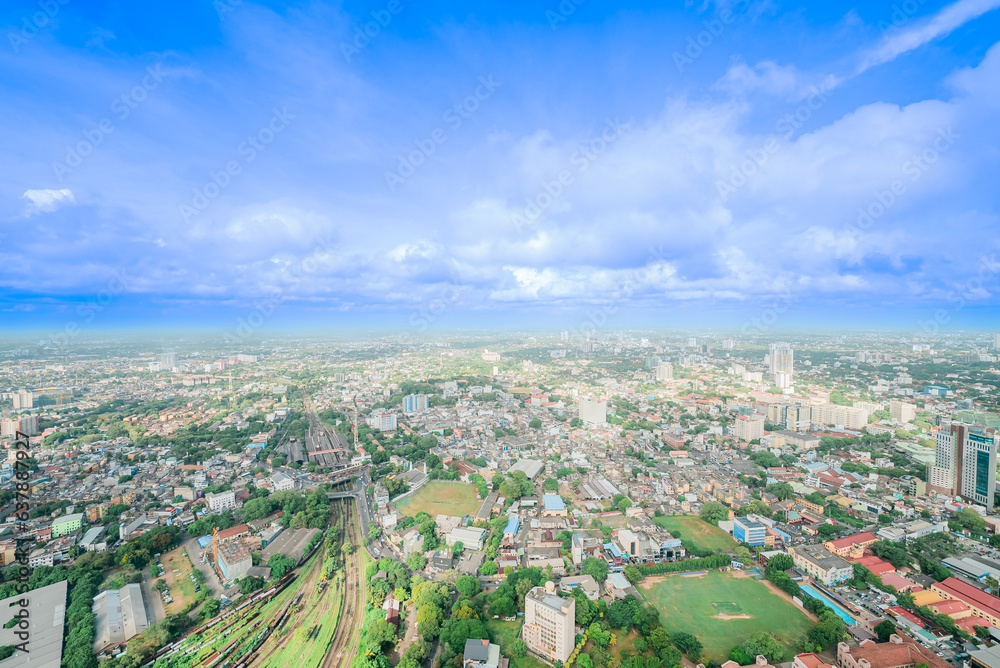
523	499
571	334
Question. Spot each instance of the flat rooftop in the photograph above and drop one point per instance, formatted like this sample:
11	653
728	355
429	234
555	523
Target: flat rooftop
48	613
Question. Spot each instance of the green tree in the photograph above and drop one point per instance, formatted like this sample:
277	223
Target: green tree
764	644
713	512
518	649
688	644
884	629
595	568
535	423
416	561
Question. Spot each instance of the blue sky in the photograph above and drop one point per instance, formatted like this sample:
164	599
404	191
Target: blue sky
246	166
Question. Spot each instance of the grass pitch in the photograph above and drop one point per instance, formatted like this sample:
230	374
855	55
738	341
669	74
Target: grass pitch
695	605
698	531
437	497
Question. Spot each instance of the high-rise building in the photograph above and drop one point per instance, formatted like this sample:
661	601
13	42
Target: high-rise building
748	428
781	361
996	342
979	465
839	416
549	623
945	475
382	421
902	411
665	371
168	360
23	400
414	402
564	335
26	425
593	411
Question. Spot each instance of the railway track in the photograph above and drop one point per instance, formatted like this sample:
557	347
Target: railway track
345	640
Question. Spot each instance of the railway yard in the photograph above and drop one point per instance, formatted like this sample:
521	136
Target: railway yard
303	621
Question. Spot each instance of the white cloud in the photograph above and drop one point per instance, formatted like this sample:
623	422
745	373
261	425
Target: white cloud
47	200
940	24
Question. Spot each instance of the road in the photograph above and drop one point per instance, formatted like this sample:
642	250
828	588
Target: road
215	589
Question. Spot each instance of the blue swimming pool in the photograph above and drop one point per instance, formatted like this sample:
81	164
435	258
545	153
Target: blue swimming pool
843	614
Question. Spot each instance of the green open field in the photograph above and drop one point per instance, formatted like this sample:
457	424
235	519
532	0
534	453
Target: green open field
696	530
695	604
436	497
503	634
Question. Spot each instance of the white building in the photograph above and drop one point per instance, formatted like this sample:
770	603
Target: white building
471	538
748	428
900	411
281	482
593	411
382	421
664	371
221	501
549	623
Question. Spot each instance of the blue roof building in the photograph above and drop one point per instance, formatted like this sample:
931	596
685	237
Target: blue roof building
513	524
553	504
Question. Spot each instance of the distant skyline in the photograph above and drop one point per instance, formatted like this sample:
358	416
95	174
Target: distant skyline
251	167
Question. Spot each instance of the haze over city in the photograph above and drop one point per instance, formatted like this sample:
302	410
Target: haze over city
570	334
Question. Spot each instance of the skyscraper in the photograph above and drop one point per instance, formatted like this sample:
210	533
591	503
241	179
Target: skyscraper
593	411
781	358
549	623
664	371
979	465
414	402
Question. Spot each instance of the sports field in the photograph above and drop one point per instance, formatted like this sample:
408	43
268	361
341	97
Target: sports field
723	611
436	497
698	531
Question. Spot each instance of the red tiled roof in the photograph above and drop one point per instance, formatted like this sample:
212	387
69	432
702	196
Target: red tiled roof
949	607
863	537
973	597
233	531
889	655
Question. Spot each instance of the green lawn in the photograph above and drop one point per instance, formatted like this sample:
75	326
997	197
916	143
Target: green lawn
701	533
503	633
692	605
437	497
